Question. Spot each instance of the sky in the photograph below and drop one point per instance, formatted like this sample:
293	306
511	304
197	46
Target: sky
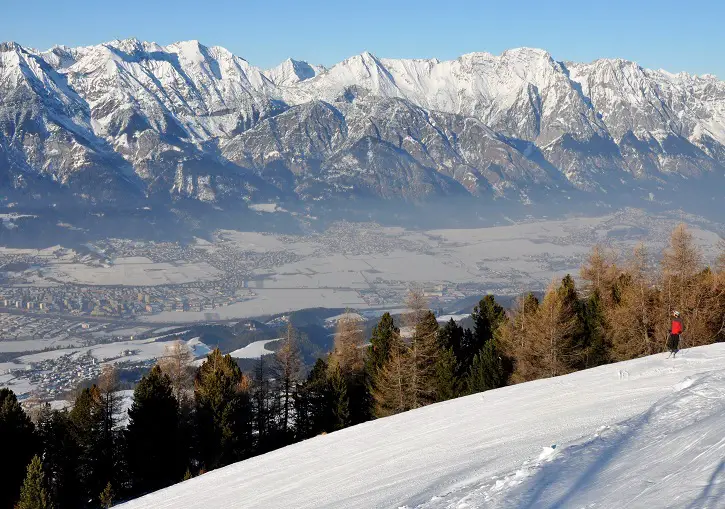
672	35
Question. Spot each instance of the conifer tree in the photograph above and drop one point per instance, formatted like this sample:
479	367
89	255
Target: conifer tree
594	331
452	337
153	454
61	457
33	494
110	447
487	370
313	405
89	426
446	379
340	399
18	436
487	316
384	334
576	308
106	496
223	411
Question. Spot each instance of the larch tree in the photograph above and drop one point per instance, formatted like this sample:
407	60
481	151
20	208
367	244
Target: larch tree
720	262
19	446
423	354
516	333
550	349
348	361
391	388
634	316
348	354
599	273
681	261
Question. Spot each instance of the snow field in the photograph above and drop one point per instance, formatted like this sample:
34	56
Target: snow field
594	439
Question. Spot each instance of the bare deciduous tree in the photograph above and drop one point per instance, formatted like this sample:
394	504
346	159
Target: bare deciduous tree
176	363
288	371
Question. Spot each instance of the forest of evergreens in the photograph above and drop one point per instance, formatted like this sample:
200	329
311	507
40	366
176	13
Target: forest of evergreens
186	420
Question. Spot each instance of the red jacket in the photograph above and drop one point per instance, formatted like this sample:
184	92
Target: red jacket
676	326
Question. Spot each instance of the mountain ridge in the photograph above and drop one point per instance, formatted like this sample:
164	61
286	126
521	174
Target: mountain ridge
187	121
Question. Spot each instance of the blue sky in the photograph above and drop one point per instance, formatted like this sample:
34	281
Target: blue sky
674	35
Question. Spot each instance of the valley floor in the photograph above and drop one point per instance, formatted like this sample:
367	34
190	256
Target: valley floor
643	433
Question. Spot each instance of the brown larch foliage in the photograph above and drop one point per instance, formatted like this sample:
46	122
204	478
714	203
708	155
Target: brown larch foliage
391	389
599	274
549	350
348	354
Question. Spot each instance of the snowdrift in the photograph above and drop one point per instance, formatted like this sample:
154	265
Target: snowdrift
643	433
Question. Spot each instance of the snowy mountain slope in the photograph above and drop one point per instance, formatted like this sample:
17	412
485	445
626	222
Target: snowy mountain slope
46	134
643	433
190	121
292	71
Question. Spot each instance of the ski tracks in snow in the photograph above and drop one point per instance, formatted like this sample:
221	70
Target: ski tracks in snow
671	455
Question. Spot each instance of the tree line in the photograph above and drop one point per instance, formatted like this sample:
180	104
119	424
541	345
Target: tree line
187	419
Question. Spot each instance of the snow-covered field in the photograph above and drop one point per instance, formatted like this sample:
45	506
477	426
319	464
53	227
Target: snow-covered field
254	350
268	301
640	434
505	259
132	271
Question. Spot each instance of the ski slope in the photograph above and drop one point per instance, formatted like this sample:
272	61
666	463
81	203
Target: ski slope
638	434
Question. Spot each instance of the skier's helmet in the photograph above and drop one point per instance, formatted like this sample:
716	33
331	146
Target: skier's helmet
676	314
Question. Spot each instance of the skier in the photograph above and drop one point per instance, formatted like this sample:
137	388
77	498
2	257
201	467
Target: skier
673	342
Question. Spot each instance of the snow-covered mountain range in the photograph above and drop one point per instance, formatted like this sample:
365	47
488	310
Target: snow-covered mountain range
135	120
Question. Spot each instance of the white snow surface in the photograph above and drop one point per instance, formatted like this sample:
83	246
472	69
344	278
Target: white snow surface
254	350
637	434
